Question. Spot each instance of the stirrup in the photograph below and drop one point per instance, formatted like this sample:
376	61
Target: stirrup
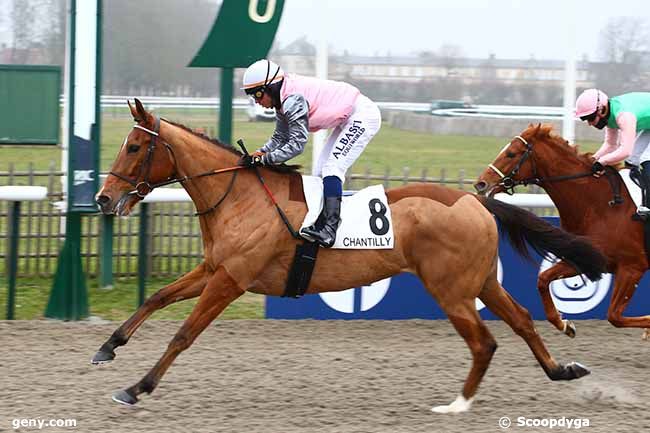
317	239
306	236
643	211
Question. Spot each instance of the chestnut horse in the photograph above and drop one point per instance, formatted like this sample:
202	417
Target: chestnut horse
586	208
448	238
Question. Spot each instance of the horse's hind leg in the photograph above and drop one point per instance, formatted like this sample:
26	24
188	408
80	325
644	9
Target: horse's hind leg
624	287
557	271
469	325
188	286
220	291
517	317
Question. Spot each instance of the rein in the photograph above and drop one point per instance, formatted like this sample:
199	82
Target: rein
286	221
144	187
509	183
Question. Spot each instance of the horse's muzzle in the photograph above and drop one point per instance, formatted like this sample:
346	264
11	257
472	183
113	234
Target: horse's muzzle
104	203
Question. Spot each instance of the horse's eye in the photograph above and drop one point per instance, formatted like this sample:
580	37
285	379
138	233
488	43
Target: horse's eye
510	155
133	148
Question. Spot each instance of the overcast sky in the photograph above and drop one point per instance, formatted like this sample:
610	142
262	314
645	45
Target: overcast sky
506	28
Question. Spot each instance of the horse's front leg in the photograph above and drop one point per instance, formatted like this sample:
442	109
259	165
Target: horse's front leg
220	291
188	286
559	270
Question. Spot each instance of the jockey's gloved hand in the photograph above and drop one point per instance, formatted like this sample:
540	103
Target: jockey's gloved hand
250	160
597	167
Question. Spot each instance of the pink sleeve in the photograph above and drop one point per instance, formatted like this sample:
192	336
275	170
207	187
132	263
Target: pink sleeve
609	145
627	133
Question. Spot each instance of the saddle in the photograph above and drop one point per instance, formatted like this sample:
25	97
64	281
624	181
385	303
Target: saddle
366	224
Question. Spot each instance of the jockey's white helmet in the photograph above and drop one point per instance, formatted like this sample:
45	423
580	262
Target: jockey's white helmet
589	102
261	74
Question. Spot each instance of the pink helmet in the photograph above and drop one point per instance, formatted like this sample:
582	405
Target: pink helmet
589	101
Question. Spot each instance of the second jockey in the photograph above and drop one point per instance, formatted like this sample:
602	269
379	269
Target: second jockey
626	119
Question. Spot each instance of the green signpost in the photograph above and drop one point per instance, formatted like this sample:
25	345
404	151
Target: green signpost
242	33
29	104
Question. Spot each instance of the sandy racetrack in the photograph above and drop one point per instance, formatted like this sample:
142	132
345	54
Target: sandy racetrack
317	376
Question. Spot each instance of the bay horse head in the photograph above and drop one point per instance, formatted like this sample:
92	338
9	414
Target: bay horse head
519	162
143	162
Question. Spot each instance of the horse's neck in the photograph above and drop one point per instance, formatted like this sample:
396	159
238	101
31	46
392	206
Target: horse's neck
194	156
573	197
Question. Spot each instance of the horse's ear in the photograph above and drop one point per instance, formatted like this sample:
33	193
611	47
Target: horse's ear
133	112
142	114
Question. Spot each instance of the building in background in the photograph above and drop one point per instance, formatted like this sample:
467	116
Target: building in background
420	78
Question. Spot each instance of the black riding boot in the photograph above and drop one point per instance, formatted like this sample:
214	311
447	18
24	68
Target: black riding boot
644	209
325	233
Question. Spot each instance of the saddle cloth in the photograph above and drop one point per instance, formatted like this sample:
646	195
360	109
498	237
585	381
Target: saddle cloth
632	187
366	221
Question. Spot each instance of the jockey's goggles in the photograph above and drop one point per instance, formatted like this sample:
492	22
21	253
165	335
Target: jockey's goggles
589	117
256	92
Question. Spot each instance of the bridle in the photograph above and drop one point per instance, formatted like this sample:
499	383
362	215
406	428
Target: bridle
143	187
508	182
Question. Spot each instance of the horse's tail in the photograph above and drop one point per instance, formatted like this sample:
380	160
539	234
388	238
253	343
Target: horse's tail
524	227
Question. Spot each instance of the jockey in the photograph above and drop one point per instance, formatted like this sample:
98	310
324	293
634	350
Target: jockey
626	119
306	104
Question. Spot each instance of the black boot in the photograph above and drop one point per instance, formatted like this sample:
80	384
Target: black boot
325	233
644	209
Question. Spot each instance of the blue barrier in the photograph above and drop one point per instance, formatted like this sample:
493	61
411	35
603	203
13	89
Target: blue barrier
404	297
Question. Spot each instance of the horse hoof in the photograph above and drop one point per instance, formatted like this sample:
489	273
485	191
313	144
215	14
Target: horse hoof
575	370
124	397
569	328
102	357
457	406
646	334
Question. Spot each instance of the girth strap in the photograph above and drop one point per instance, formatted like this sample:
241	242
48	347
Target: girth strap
301	269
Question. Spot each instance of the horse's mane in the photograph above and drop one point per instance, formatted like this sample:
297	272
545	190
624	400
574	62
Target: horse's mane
280	168
545	133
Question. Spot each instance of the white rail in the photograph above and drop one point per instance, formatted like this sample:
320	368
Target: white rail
493	111
23	193
524	200
237	103
504	112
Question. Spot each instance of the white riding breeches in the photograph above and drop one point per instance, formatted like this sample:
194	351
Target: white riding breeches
641	151
348	140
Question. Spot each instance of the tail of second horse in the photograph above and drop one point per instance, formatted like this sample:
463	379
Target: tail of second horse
524	228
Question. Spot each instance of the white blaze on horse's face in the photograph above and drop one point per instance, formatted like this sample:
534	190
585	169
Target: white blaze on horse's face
124	143
505	147
102	189
493	167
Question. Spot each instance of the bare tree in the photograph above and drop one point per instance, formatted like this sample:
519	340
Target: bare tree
621	43
54	15
622	35
22	18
